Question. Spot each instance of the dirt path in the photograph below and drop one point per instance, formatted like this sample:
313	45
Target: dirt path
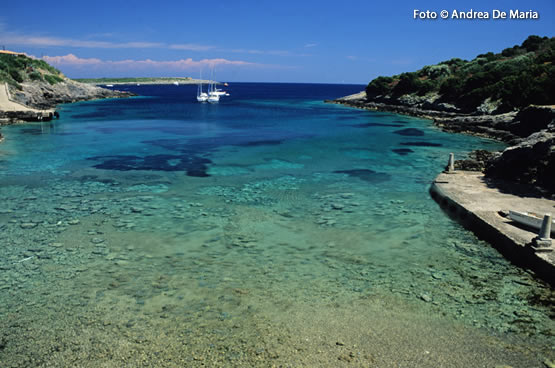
8	105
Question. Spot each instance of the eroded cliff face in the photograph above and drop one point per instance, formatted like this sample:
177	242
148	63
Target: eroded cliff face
43	95
532	160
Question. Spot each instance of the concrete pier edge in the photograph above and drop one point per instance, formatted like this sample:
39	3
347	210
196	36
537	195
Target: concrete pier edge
522	255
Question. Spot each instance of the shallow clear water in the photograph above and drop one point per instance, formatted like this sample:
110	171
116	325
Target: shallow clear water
269	229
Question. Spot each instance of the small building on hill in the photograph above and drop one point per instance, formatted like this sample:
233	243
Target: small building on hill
8	52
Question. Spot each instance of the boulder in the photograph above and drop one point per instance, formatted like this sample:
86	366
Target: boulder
477	161
531	119
530	162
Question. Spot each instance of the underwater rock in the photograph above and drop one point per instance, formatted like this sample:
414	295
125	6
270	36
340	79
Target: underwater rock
402	151
28	225
437	275
370	125
269	142
337	206
421	144
368	175
193	165
410	132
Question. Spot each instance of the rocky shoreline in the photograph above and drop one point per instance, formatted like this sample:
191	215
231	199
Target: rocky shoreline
487	126
530	134
37	97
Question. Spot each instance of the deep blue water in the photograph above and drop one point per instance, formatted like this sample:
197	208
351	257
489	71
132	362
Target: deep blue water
148	210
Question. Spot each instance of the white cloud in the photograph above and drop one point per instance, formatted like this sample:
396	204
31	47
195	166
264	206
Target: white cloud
46	41
308	45
182	64
18	39
55	41
71	59
191	47
259	52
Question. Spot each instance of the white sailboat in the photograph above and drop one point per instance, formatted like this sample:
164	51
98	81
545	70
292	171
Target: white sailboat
201	96
212	97
214	91
219	92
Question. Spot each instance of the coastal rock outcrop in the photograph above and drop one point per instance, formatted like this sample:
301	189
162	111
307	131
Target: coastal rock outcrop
487	96
30	89
502	127
531	119
42	95
530	132
532	161
477	161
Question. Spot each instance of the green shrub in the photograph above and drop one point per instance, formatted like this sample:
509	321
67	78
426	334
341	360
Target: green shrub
52	79
518	76
533	43
41	64
408	83
35	76
379	86
454	62
490	56
15	74
435	71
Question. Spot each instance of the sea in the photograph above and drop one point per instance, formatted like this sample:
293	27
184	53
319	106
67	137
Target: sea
269	229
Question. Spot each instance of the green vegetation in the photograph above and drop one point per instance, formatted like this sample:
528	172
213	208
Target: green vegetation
131	80
16	69
516	77
52	79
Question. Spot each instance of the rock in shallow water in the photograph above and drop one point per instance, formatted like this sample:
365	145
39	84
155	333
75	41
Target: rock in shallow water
368	175
410	132
28	225
97	240
337	206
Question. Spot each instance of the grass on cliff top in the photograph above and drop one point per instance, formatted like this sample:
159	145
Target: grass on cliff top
16	69
516	77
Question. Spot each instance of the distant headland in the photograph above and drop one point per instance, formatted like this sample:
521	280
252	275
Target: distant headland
141	80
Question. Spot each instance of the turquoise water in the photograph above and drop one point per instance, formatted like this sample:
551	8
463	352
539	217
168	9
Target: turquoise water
270	229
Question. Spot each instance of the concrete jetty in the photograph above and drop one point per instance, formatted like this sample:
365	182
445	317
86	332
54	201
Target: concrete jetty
480	206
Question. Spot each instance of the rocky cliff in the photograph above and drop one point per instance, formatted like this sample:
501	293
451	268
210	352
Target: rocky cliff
29	86
43	95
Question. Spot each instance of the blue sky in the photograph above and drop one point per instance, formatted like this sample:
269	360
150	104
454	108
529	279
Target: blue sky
261	41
